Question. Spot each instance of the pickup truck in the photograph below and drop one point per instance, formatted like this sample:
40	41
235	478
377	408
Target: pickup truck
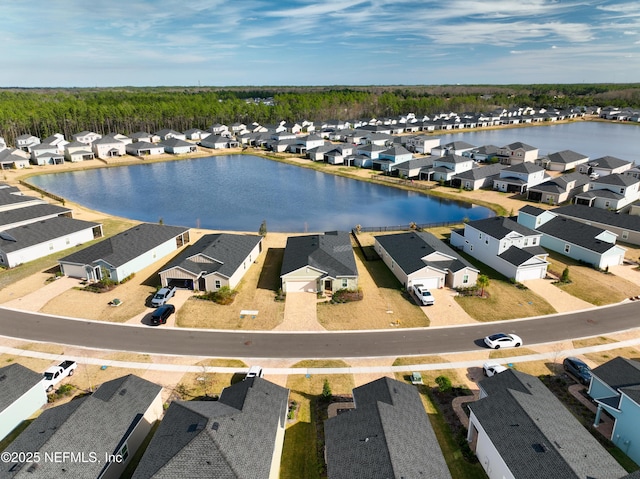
162	296
55	374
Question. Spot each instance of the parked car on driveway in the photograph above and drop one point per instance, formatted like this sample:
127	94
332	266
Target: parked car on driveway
160	315
425	298
162	296
577	369
503	340
491	369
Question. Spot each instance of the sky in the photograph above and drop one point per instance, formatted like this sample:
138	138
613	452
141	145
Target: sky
103	43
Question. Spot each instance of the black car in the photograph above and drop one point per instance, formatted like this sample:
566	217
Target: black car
160	315
577	369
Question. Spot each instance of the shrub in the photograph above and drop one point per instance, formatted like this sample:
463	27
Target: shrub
224	296
326	389
444	383
347	295
565	276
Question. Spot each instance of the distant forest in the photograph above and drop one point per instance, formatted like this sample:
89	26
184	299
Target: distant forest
126	110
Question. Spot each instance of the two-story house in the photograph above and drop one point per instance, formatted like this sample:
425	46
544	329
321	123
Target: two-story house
506	246
606	165
518	177
610	192
86	137
559	189
565	160
445	167
391	156
517	152
452	148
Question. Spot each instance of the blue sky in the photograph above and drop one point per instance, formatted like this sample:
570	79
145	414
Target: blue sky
335	42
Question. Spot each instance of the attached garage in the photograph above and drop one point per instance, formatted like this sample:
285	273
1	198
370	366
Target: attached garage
299	286
429	283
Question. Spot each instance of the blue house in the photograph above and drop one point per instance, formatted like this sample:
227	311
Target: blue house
21	395
615	386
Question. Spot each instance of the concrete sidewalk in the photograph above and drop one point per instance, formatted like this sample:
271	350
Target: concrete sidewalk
36	300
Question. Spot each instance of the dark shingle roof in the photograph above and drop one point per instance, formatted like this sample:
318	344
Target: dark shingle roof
233	437
535	435
9	197
16	380
516	256
619	372
125	246
481	172
15	239
92	424
608	162
387	435
600	215
408	249
566	156
453	159
617	180
499	226
330	252
579	234
175	142
32	213
524	167
227	252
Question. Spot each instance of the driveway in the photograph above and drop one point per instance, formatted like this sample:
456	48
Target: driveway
300	313
446	311
626	271
178	300
36	300
562	302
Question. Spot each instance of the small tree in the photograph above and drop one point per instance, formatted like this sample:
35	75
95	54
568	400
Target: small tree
262	231
565	276
326	389
482	282
444	383
161	221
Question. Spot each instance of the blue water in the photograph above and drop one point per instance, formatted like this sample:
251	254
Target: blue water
238	192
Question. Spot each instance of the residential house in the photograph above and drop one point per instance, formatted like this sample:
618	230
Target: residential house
452	148
120	137
606	165
58	140
625	226
478	177
108	147
505	245
22	216
611	192
447	166
421	144
46	154
34	240
169	134
318	153
421	258
412	168
177	146
218	142
214	261
615	387
564	160
486	153
104	430
579	241
77	151
11	198
26	142
239	435
368	153
86	137
518	177
219	129
144	136
14	158
559	189
312	141
126	253
21	395
519	429
391	156
144	148
196	134
387	434
319	262
517	152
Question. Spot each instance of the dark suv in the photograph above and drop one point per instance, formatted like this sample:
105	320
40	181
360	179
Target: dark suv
577	369
160	315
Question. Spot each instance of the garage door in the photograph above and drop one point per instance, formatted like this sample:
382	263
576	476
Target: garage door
300	286
530	273
429	283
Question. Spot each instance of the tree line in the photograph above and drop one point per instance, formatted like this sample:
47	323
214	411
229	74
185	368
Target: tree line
42	112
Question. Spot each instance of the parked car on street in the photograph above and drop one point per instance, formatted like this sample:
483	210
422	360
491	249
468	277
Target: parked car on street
160	315
162	296
503	340
491	369
577	369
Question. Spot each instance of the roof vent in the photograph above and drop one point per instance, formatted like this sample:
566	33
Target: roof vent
123	392
215	426
3	377
539	447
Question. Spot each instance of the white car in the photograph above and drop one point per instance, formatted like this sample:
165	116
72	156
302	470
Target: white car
503	340
424	295
162	296
491	369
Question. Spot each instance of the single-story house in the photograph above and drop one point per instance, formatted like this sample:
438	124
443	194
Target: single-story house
21	395
77	151
14	158
11	198
34	240
239	435
178	147
196	134
421	258
144	148
606	165
580	241
113	421
412	168
387	434
477	177
559	189
214	261
125	253
218	142
519	429
564	160
625	226
22	216
319	262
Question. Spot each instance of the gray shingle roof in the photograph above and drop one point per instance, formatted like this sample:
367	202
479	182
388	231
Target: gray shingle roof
95	423
387	435
15	380
175	142
8	197
227	251
330	252
617	180
516	256
499	226
481	172
524	167
125	246
233	437
579	234
408	249
535	434
600	215
608	162
31	213
566	156
453	159
518	144
619	372
15	239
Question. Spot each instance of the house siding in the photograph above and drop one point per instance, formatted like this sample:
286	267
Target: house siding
144	260
486	452
22	409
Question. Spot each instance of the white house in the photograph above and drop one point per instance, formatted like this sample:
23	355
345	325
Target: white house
86	137
518	177
26	141
445	167
108	147
144	148
517	152
453	148
21	395
77	151
610	192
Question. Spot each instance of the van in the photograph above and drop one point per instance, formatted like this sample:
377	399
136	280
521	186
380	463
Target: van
254	372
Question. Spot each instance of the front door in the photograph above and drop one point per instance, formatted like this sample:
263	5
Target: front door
328	285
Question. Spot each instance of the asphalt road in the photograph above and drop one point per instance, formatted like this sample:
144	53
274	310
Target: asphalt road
243	344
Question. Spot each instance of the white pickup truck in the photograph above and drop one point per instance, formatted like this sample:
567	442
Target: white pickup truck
55	374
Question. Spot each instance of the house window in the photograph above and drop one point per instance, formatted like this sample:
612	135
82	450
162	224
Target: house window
392	264
218	284
625	235
567	248
526	241
465	279
345	282
607	204
621	191
480	236
470	247
486	240
534	241
124	452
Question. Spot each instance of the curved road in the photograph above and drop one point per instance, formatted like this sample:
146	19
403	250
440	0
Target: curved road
247	344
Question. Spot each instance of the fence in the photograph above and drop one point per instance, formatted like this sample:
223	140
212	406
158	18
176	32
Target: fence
378	229
42	192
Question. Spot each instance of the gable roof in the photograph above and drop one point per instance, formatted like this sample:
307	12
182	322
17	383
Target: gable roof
481	172
454	159
500	226
388	434
233	437
408	249
519	256
525	167
619	372
518	144
608	162
15	381
600	215
20	237
616	179
330	252
227	252
457	145
577	233
123	247
30	213
566	156
175	142
95	423
535	435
